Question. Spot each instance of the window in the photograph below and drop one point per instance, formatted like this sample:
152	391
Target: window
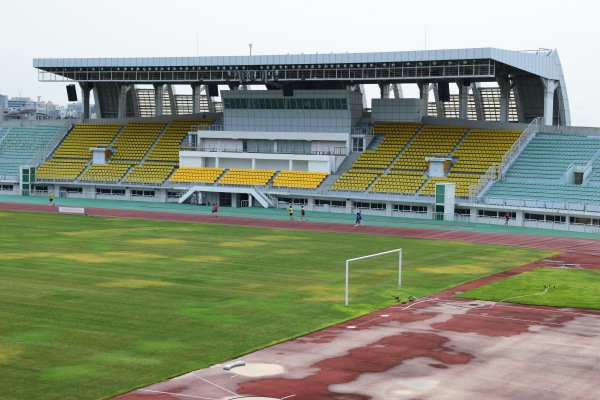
286	104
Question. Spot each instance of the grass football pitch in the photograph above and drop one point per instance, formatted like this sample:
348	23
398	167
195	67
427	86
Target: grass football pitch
557	287
93	307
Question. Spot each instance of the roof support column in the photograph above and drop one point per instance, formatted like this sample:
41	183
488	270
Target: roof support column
384	90
85	90
463	98
211	105
439	106
478	101
123	88
397	90
504	86
159	91
424	96
172	101
549	86
196	90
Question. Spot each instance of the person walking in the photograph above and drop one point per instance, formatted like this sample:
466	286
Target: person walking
215	209
506	219
291	213
51	198
303	214
358	218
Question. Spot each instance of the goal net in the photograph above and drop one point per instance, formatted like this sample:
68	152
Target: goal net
371	256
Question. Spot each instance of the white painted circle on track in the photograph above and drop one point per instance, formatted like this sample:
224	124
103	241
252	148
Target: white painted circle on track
255	370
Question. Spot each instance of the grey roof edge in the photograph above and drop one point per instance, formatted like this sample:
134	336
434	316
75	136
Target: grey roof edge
526	60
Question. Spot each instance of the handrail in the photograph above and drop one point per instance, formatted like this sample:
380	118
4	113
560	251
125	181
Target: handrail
41	154
500	170
489	176
534	127
329	151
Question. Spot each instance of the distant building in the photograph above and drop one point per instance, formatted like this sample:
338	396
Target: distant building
26	108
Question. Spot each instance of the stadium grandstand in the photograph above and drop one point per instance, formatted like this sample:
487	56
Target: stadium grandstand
489	133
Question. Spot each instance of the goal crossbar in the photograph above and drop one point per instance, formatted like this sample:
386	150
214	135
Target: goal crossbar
348	261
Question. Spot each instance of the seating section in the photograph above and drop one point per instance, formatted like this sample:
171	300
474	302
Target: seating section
300	179
110	172
398	164
594	177
482	149
430	141
78	142
19	145
60	170
461	180
135	140
150	173
238	176
357	179
397	135
539	172
196	174
147	153
167	146
541	160
399	182
559	193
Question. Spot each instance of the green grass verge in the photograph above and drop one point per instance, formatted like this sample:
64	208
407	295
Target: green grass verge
92	307
576	288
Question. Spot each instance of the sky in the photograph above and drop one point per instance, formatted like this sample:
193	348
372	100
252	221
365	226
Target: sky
183	28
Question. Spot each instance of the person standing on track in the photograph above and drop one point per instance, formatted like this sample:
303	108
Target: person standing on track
506	218
291	213
215	209
51	198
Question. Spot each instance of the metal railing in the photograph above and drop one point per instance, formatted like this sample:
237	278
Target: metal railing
496	172
537	125
40	155
326	151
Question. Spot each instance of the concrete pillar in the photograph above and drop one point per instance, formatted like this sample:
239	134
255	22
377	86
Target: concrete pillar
196	90
463	99
159	90
349	206
123	88
211	105
478	102
439	106
254	163
519	218
424	96
388	209
473	214
172	101
397	90
85	90
384	90
549	86
504	85
291	165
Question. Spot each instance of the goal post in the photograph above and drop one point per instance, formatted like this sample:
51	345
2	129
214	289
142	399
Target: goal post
348	261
